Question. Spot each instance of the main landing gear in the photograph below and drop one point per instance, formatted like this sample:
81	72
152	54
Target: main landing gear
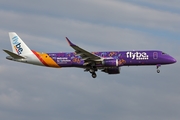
92	70
94	75
158	71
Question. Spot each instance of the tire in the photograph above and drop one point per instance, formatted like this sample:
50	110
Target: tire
94	75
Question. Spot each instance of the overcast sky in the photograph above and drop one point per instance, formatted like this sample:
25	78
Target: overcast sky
30	92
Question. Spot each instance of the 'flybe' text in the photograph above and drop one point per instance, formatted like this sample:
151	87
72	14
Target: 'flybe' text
17	45
137	55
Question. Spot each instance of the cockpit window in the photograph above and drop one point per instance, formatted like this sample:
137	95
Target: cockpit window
163	53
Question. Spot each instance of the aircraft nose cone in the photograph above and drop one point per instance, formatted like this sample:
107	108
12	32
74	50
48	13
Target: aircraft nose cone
174	60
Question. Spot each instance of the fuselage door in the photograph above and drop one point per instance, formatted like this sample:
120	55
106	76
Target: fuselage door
155	55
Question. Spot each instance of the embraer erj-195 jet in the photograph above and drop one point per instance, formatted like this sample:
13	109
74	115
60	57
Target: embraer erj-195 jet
108	62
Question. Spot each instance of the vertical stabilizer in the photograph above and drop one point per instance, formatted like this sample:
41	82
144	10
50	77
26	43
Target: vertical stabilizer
18	46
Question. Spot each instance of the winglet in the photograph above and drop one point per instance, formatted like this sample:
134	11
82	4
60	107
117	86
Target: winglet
69	42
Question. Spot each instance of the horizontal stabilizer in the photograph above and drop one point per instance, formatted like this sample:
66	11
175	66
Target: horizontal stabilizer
13	55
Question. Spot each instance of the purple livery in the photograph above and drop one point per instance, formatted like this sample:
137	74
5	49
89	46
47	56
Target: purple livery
108	62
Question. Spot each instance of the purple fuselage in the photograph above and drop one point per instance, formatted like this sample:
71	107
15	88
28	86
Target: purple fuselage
115	58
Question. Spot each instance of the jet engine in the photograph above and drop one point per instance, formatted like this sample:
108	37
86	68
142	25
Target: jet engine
112	70
110	62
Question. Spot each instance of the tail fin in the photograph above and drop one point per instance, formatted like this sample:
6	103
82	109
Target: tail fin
18	46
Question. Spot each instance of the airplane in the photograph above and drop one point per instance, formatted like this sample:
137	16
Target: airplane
109	61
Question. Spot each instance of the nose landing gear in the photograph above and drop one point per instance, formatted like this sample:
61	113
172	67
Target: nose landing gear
158	71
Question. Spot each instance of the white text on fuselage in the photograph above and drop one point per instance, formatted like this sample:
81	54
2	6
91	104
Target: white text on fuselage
137	55
63	60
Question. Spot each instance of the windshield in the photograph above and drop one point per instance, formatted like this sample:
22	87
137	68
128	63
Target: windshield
163	53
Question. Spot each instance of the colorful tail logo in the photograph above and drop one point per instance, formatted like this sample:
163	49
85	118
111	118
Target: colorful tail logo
17	45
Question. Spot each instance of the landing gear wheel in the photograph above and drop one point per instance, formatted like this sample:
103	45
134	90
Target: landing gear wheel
94	75
158	71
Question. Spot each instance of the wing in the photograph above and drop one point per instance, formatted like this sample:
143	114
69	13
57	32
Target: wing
88	57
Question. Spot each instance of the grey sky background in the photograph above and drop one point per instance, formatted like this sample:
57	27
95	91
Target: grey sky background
138	93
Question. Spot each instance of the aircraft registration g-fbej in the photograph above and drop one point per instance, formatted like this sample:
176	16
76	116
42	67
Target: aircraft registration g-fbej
109	62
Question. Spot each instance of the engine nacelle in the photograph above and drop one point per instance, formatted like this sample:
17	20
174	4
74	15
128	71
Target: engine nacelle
110	62
112	70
